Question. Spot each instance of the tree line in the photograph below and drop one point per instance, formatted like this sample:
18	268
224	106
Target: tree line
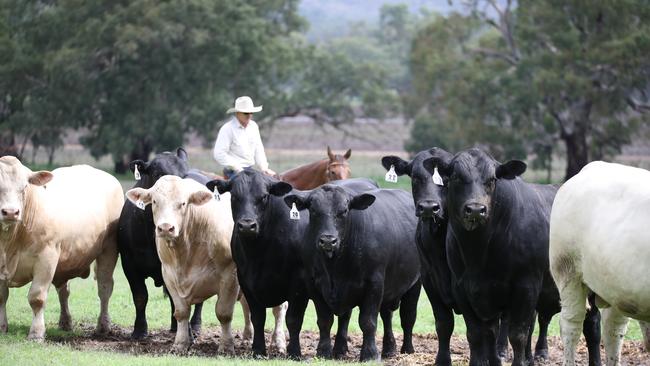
518	78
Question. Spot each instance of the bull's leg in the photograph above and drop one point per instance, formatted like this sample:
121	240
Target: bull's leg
105	265
295	315
224	309
140	297
574	295
475	338
4	296
444	317
645	331
368	322
324	319
195	322
258	317
65	320
521	318
388	348
408	310
491	329
183	339
341	341
614	329
502	340
173	323
279	338
541	347
247	335
591	330
37	295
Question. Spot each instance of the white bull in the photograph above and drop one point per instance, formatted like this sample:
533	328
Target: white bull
53	225
193	233
599	241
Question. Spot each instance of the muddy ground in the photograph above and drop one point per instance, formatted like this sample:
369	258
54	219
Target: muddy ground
160	342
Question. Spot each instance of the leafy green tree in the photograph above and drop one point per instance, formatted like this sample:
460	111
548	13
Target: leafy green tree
542	72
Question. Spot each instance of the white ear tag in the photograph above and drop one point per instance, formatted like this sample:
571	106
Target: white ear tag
216	194
294	214
437	179
140	204
136	173
391	176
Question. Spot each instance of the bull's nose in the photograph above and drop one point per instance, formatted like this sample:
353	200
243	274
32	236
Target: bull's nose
475	210
428	208
247	225
327	242
10	213
165	229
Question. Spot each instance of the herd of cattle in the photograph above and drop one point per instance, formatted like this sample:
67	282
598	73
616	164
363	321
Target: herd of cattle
482	242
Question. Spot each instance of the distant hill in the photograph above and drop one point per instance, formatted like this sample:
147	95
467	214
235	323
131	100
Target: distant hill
332	18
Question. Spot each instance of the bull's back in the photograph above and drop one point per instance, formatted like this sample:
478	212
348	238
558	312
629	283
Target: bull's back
599	231
82	207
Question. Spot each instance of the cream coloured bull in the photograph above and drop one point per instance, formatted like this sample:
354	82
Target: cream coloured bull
599	241
53	225
193	233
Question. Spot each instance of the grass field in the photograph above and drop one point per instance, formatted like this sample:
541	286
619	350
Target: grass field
84	304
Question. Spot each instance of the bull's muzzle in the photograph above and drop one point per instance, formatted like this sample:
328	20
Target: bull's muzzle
166	230
427	209
328	244
10	214
474	215
247	226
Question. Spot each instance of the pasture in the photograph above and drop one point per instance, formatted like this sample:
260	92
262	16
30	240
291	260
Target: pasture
81	348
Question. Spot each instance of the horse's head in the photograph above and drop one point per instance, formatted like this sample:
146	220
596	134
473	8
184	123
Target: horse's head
337	166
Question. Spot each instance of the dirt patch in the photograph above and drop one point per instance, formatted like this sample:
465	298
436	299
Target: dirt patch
206	345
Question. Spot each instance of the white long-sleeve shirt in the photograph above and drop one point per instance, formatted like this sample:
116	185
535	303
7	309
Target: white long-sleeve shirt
238	147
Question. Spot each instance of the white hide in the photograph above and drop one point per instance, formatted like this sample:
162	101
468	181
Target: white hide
195	254
63	226
599	241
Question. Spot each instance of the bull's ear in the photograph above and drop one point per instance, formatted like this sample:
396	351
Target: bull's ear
142	166
280	188
444	168
401	166
40	178
362	201
200	198
301	202
511	169
347	154
181	153
329	153
222	186
139	194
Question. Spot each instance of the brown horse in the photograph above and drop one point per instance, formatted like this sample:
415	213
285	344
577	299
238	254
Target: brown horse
312	175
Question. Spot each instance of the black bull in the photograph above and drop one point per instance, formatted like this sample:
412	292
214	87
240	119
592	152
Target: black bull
497	250
360	251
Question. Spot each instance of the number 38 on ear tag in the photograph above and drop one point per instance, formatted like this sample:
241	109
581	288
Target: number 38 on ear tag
294	214
391	176
140	204
437	179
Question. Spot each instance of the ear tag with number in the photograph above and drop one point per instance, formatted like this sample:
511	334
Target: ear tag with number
294	214
391	176
140	204
216	194
136	173
437	179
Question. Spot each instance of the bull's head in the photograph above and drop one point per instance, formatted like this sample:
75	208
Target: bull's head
15	181
165	163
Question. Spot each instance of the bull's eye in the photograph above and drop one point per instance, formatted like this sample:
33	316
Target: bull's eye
154	202
264	199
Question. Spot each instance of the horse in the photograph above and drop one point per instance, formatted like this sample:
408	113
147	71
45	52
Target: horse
312	175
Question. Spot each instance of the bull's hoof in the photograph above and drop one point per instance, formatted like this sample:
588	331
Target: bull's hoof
138	334
227	349
181	348
389	349
369	354
293	351
102	329
541	355
443	360
340	349
247	336
4	328
324	351
279	345
407	348
34	337
65	324
196	330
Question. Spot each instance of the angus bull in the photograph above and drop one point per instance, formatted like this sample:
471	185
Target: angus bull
599	241
359	250
193	242
497	249
266	246
53	226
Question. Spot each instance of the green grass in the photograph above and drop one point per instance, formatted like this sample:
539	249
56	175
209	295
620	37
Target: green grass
84	304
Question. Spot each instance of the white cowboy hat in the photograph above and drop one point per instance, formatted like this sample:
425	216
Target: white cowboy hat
245	105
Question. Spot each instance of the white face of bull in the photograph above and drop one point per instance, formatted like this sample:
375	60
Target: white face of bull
170	200
15	179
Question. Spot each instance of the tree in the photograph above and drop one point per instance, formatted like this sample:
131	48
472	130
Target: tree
567	70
